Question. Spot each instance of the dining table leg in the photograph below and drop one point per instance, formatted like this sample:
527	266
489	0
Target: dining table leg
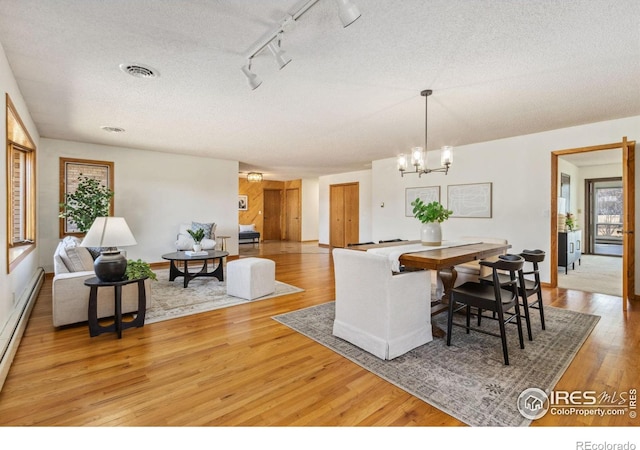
448	277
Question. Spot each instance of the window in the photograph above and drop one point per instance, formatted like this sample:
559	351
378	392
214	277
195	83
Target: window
21	189
71	169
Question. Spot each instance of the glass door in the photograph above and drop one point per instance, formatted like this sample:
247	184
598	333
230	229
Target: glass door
606	216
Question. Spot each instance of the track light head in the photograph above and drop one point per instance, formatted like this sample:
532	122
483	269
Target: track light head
348	12
281	58
253	79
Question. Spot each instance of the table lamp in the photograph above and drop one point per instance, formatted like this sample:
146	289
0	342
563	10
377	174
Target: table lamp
108	233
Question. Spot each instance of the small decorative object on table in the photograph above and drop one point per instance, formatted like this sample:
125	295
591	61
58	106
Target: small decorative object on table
431	215
198	236
570	221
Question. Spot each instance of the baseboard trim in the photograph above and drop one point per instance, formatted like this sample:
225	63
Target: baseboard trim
17	323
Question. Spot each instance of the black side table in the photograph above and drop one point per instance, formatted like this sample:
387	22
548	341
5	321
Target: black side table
94	327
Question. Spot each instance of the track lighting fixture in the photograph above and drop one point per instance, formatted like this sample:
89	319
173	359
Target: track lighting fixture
347	11
253	79
278	54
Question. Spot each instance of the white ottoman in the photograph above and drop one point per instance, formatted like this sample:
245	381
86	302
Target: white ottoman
251	278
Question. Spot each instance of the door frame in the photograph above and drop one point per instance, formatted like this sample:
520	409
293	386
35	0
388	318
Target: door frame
628	186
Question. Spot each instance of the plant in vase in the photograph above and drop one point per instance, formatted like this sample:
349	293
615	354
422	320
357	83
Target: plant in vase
570	222
197	236
431	215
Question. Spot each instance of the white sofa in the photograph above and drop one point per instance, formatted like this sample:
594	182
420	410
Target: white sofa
72	265
383	313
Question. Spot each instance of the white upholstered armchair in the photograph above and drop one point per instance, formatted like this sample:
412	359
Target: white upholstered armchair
385	314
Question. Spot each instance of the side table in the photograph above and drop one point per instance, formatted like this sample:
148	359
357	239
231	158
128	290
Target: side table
223	245
94	327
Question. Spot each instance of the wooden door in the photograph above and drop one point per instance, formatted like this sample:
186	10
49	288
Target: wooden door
344	212
293	225
272	214
628	222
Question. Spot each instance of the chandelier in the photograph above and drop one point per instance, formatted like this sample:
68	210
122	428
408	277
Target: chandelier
254	177
418	157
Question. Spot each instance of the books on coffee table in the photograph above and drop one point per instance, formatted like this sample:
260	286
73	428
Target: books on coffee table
192	253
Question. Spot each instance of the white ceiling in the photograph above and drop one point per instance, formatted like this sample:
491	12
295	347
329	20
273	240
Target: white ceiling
350	95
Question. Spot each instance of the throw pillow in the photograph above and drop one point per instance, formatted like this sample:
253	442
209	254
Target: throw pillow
77	259
94	251
245	228
207	227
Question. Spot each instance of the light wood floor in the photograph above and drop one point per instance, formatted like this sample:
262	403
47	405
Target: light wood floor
238	367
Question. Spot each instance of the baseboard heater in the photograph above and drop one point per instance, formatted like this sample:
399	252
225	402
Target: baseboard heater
17	323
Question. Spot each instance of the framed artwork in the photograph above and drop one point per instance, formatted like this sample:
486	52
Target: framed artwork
70	170
426	194
470	200
242	202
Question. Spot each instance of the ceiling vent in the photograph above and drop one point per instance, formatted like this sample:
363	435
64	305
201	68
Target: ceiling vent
139	71
113	129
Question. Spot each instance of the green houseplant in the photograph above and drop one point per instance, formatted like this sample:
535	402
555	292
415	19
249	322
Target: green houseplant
198	236
90	200
139	269
431	215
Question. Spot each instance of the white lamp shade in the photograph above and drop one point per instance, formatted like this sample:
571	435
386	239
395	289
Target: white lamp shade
109	232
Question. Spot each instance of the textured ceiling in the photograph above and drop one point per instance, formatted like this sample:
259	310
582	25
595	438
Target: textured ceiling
350	95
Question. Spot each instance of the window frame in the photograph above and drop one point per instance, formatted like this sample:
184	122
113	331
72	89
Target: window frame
18	139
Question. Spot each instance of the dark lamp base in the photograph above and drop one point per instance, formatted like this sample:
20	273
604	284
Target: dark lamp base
110	266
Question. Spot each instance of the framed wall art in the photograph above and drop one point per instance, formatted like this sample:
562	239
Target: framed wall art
242	203
426	194
470	200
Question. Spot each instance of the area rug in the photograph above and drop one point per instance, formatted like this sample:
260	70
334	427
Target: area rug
595	273
467	380
172	300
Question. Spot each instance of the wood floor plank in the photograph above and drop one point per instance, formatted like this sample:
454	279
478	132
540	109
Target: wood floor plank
239	367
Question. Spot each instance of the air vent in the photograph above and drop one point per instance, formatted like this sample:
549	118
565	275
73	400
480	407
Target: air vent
139	71
113	129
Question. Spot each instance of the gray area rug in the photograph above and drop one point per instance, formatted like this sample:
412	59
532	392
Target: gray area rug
467	380
172	300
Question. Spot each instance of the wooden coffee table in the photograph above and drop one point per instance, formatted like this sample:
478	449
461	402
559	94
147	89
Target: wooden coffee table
181	257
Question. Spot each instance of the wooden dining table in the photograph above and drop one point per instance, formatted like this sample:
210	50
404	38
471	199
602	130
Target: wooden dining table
442	260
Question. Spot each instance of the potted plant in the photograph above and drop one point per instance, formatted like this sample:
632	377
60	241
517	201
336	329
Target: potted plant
431	215
570	222
90	200
139	269
198	236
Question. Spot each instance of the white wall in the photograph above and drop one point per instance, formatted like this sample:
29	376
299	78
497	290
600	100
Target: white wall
363	178
13	285
310	209
154	192
520	170
593	172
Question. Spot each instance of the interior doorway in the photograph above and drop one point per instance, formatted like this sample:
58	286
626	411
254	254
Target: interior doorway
628	189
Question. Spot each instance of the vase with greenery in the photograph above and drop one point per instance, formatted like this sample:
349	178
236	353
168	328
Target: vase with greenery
91	199
197	236
431	215
139	269
570	222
